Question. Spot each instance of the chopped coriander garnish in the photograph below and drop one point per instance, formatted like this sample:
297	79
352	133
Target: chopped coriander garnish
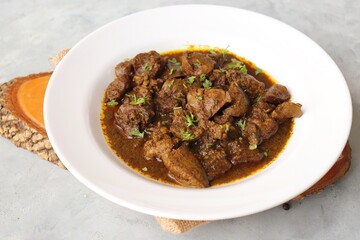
199	98
190	120
146	67
197	63
173	61
171	83
191	79
242	124
243	69
257	99
235	63
144	169
179	99
226	127
223	70
252	146
112	103
207	84
258	70
224	51
171	71
136	133
136	101
212	51
266	153
202	77
187	136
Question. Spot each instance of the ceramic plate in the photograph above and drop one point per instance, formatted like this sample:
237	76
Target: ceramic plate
74	94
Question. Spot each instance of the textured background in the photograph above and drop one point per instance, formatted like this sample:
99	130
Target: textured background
41	201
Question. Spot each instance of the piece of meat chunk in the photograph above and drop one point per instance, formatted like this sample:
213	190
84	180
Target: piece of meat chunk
218	78
287	110
264	106
172	94
160	143
214	160
216	131
117	88
240	102
252	87
222	119
185	125
239	152
252	134
276	94
197	63
265	123
204	103
185	168
122	81
134	114
146	66
124	70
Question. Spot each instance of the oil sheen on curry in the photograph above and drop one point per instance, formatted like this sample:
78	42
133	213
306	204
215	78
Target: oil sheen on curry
196	117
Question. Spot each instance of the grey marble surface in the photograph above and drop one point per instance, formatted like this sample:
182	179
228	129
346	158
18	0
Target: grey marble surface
41	201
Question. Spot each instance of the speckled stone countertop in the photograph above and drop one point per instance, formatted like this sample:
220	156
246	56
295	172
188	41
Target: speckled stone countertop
39	200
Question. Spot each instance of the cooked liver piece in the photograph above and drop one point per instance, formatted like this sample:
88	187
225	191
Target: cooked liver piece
135	116
185	168
240	102
204	103
287	110
214	161
197	63
117	88
252	87
276	94
240	153
146	66
178	126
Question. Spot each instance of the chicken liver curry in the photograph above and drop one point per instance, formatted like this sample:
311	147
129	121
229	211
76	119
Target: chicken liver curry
196	118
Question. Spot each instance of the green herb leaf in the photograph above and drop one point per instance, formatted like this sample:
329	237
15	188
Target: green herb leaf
199	98
191	79
243	69
207	84
173	61
136	133
235	63
212	51
171	71
266	153
197	63
224	51
171	83
137	101
145	169
190	120
226	127
223	70
242	124
252	146
179	99
146	67
112	103
258	70
187	136
203	77
257	99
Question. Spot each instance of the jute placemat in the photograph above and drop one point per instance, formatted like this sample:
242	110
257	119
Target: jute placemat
18	127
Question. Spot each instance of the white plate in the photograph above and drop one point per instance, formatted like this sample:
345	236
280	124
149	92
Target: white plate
73	97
